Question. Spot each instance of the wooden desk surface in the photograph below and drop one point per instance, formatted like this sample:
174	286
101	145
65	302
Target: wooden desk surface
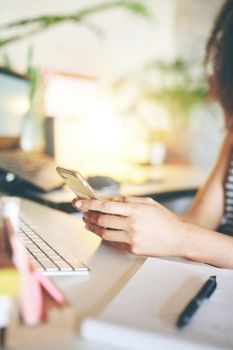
167	178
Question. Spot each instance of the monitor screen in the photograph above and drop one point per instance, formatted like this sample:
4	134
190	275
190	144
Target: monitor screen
14	102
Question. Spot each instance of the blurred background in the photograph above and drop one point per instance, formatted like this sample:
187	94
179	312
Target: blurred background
122	82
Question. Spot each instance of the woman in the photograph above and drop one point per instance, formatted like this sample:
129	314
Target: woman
147	228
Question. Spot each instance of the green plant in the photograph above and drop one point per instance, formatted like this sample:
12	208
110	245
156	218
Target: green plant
178	86
34	25
31	26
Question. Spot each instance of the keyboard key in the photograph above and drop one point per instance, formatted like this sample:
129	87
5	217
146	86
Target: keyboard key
37	265
49	265
64	266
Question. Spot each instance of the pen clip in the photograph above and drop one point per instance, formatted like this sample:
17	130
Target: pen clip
213	287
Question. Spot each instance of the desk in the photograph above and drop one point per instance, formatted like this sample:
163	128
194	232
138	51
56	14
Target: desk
167	179
162	182
110	268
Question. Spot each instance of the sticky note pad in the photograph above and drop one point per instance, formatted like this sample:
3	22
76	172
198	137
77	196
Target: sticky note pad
9	281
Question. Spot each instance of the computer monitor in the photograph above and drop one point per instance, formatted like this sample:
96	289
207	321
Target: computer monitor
14	102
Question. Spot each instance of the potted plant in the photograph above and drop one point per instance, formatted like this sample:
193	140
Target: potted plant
163	98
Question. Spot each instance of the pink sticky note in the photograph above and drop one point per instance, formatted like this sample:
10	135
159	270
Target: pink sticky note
31	298
48	285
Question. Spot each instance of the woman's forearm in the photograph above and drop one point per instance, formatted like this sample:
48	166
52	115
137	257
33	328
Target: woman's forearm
203	245
153	230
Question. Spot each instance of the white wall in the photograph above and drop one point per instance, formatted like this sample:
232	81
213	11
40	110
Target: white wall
129	40
193	22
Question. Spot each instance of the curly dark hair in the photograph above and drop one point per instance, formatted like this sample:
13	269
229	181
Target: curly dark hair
219	58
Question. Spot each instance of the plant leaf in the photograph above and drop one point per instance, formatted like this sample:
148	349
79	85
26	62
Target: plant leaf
29	60
9	40
6	61
39	23
137	8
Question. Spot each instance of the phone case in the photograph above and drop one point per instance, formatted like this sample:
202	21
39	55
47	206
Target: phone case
77	183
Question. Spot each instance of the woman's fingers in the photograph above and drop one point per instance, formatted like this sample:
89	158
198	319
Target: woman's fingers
73	203
140	200
107	221
109	235
108	207
116	205
119	245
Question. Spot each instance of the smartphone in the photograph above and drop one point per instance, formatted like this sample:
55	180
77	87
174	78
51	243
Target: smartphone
76	183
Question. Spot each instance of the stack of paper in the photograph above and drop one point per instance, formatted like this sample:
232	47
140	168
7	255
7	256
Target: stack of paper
143	315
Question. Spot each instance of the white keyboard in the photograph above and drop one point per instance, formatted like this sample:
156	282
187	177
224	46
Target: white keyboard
50	259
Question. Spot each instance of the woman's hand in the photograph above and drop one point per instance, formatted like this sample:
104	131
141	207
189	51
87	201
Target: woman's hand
144	225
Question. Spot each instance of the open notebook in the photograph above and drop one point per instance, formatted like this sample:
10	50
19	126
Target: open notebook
143	315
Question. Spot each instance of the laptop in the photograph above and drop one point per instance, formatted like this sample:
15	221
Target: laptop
35	169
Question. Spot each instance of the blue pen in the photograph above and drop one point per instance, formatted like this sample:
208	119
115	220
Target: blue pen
205	292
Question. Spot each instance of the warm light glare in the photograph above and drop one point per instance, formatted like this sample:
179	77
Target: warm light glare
18	105
89	137
156	116
69	97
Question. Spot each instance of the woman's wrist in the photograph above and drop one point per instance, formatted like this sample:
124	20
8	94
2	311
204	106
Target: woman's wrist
184	246
206	246
200	244
190	247
182	239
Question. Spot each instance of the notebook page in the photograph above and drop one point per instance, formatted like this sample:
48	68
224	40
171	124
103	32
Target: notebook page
153	299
